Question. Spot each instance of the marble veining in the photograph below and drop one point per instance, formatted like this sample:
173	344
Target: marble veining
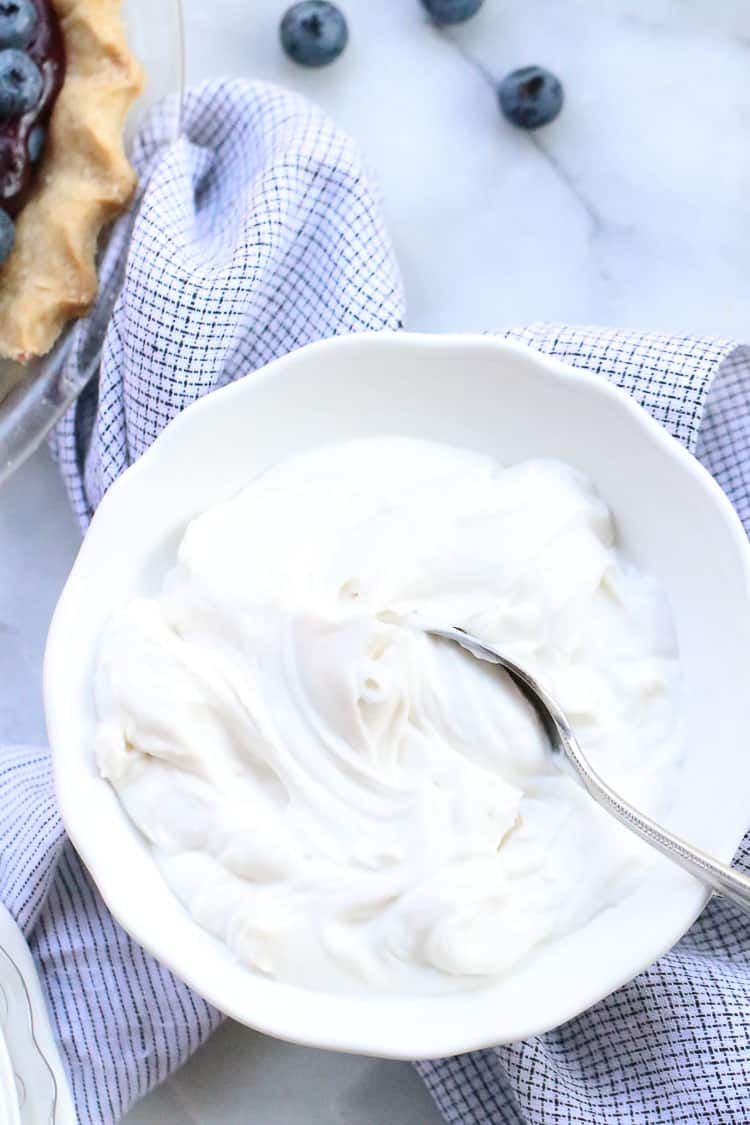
629	209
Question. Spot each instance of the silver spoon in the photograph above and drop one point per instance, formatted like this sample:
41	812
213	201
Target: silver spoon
720	877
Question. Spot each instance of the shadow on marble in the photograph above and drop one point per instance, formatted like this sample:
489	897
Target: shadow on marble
240	1076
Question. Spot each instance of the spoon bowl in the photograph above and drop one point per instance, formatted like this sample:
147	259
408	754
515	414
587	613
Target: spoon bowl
720	877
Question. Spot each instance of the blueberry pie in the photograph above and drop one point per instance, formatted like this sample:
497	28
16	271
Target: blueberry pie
67	81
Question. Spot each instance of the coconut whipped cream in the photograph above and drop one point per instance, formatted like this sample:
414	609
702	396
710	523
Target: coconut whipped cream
346	802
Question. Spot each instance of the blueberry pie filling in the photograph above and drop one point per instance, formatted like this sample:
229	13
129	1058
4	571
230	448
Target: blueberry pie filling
32	68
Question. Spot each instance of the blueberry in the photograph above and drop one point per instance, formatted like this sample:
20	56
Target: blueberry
35	143
7	235
530	97
452	11
20	83
314	32
18	20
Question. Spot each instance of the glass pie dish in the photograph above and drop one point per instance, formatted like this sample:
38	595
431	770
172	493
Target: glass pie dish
34	397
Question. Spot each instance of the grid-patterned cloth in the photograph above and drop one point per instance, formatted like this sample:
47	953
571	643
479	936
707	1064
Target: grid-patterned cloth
673	1046
257	234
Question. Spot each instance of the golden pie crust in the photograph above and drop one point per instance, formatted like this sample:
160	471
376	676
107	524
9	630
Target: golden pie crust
84	181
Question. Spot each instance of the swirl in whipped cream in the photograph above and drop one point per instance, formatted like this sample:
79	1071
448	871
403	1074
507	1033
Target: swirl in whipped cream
347	803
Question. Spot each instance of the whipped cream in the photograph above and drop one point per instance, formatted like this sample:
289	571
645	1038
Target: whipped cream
347	803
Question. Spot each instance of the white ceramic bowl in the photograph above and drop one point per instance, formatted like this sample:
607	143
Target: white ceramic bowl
486	395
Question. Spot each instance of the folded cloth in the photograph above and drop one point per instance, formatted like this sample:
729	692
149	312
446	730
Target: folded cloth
257	233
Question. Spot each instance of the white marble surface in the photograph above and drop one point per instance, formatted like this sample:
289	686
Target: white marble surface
629	210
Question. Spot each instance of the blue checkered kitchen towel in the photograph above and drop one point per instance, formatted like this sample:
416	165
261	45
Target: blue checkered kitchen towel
258	233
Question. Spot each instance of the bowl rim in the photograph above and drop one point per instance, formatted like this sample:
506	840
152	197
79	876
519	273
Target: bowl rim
278	1019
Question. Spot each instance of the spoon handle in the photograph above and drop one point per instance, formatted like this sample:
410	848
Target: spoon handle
720	877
